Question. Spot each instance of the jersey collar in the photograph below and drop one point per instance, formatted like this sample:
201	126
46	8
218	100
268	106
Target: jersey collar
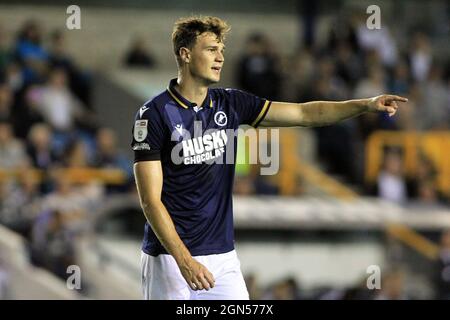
183	102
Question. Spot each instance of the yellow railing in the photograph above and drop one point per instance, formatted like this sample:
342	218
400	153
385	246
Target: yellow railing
293	167
435	145
414	240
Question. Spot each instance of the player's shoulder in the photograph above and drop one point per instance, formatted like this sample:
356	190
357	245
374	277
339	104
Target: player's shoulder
157	101
151	106
224	92
232	94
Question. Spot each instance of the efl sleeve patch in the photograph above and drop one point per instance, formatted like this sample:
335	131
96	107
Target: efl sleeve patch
140	130
148	135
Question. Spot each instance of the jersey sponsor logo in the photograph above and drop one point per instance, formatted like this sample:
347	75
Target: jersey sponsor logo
220	118
179	128
140	130
142	111
204	148
141	146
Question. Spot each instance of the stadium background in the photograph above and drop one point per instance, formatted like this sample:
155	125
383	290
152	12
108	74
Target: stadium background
368	191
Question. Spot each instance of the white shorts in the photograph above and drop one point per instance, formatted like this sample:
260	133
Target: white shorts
162	279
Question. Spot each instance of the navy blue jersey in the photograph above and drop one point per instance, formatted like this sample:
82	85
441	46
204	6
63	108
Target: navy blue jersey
197	149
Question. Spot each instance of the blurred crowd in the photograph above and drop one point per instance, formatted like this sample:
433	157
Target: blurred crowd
356	62
398	281
420	190
48	127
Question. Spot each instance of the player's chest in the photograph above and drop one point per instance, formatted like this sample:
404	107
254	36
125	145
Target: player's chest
199	121
199	136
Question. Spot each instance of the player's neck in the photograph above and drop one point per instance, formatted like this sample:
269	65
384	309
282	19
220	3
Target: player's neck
191	89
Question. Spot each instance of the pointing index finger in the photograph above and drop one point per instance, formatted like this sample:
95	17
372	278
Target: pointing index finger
397	98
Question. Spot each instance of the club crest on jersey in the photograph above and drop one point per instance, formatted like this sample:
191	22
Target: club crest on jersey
220	118
140	130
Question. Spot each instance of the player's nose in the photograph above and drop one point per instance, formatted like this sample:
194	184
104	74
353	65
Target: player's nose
220	57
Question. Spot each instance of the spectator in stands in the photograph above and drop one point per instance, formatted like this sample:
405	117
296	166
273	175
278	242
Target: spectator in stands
258	68
286	289
63	111
435	114
428	193
75	155
392	286
299	72
293	288
79	80
399	82
344	32
425	171
335	142
425	168
30	52
76	201
348	64
327	83
28	113
391	182
64	198
139	55
420	56
59	58
308	15
12	151
53	243
108	156
57	104
442	277
359	291
380	40
252	286
20	202
14	77
39	147
409	119
373	85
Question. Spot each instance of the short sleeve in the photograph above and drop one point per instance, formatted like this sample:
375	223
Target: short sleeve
251	109
147	134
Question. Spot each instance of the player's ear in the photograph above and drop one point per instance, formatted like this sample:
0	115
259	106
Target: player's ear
185	54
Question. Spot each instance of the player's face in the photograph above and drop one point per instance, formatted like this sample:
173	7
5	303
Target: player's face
207	58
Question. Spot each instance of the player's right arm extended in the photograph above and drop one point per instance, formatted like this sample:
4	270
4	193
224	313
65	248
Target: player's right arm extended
149	181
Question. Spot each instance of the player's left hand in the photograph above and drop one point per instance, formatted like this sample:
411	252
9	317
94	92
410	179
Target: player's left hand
385	103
